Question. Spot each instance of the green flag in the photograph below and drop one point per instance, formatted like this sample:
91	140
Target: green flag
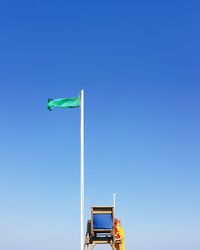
64	103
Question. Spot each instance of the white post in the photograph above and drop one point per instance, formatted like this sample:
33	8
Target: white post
82	169
114	201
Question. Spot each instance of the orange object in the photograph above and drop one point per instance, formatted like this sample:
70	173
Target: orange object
116	231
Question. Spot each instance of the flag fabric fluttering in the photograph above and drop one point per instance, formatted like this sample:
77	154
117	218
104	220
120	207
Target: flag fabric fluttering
64	103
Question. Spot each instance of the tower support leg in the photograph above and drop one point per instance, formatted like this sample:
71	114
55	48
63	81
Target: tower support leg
89	246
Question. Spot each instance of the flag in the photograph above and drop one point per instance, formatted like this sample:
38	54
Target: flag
64	103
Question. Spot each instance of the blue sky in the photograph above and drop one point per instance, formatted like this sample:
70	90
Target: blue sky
138	62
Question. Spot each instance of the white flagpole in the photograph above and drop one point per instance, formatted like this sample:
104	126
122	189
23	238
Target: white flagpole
114	201
82	169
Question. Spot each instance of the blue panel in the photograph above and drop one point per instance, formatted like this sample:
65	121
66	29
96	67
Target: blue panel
102	221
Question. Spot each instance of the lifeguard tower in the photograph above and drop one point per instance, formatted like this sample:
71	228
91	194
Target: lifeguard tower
100	228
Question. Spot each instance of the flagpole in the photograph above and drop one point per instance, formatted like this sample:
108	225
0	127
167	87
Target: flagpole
82	169
114	201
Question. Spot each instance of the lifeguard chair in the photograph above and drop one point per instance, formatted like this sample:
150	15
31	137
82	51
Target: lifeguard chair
100	228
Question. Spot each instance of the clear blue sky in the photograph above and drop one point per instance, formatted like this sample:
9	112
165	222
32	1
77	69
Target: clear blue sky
138	62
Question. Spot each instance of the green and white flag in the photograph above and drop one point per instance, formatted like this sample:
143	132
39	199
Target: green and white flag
75	102
64	103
